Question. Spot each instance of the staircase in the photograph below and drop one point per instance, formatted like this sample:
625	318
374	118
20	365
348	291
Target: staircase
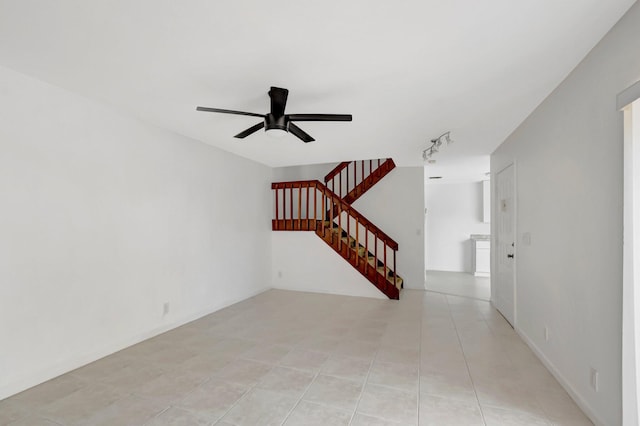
326	209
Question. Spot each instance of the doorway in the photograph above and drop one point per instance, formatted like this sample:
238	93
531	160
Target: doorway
457	228
505	250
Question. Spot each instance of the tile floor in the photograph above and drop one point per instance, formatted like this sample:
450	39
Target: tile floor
458	284
312	359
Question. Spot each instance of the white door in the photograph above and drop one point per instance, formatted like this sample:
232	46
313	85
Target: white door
505	241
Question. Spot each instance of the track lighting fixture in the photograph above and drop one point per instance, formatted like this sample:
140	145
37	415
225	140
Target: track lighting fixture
436	144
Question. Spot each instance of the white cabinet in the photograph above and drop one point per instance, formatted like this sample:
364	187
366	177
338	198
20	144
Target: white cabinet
480	255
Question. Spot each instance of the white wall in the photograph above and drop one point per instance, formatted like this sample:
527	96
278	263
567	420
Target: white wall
454	212
308	172
303	262
104	219
396	206
568	157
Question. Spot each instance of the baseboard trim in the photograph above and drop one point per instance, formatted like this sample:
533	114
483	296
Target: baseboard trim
323	291
52	371
584	406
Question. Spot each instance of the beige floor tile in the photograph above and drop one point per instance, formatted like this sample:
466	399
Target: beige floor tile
269	354
309	414
399	355
128	411
261	407
103	368
80	405
334	391
444	362
508	395
436	411
538	377
170	386
364	420
388	403
231	347
347	367
501	417
560	409
448	385
212	399
304	360
287	338
49	392
170	356
244	372
10	412
205	365
286	380
356	349
131	377
319	343
267	351
33	420
179	417
371	335
399	376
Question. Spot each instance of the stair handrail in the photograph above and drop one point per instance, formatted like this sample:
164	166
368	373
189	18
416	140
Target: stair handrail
344	206
339	168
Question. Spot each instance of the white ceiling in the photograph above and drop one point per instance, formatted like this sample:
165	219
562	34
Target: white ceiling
406	70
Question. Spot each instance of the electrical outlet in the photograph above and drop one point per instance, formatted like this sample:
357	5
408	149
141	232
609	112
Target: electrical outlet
546	333
594	379
165	309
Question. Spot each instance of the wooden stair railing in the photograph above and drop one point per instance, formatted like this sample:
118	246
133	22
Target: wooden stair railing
312	206
351	179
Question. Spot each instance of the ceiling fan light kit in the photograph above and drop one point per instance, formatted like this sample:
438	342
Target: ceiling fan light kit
276	123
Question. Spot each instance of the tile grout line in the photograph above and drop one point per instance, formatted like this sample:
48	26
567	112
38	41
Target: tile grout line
252	387
364	384
464	355
315	376
456	295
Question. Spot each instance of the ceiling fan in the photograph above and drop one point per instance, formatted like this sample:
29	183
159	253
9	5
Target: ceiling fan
277	121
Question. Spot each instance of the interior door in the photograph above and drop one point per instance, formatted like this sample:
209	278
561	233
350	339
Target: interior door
505	241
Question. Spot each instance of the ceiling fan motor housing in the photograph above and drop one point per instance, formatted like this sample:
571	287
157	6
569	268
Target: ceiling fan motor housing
273	122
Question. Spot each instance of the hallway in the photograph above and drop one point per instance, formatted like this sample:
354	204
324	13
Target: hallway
459	284
296	358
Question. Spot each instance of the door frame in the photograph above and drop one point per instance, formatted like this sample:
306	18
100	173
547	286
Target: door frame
494	239
629	103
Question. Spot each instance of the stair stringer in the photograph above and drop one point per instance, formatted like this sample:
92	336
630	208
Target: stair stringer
370	181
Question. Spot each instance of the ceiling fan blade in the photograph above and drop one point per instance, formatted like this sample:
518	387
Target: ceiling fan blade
320	117
301	134
228	111
250	130
278	97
